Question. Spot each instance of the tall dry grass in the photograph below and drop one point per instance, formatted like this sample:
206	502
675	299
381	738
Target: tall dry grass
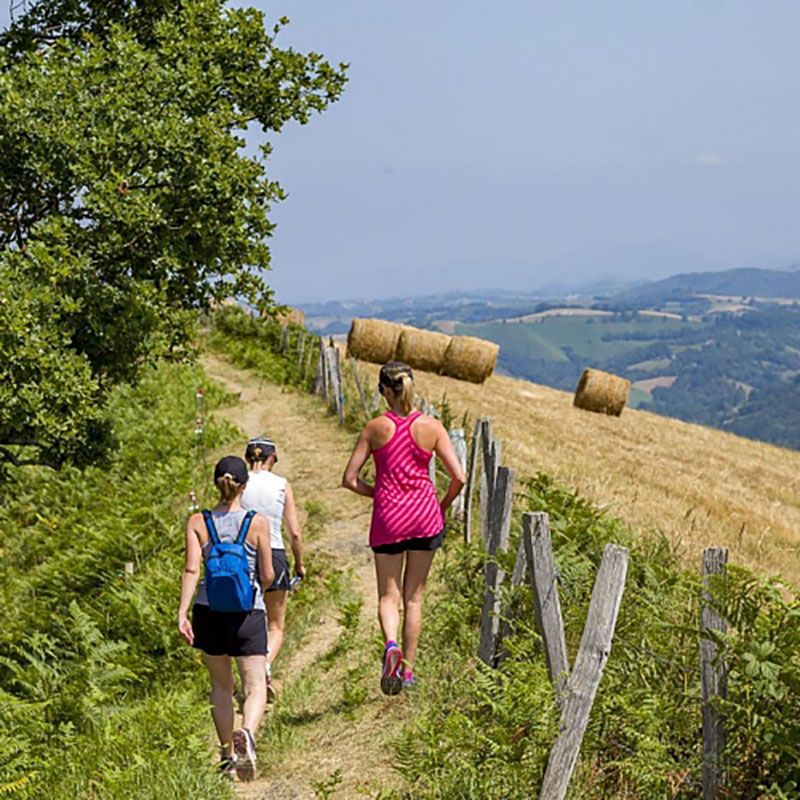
697	485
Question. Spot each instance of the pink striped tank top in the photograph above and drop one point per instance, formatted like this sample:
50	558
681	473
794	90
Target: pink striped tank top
404	504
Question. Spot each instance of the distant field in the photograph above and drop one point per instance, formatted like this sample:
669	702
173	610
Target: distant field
555	349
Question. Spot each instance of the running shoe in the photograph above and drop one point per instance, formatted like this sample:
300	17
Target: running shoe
391	678
270	690
244	749
409	682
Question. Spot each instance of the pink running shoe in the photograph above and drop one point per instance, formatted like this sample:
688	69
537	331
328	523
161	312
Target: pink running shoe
391	676
409	682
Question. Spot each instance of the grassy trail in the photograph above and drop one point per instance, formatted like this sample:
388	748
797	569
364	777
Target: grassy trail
329	732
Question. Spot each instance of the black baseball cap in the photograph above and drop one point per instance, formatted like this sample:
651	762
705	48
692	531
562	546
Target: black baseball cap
233	466
260	449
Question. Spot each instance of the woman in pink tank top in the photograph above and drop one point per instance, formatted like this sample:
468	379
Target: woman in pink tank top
407	517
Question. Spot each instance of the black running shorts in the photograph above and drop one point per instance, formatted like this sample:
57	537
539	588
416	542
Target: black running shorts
280	563
417	543
229	633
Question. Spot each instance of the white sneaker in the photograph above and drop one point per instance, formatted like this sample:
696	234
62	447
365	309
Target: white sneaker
244	748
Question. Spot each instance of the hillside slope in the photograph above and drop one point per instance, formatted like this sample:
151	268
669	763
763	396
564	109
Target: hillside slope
697	485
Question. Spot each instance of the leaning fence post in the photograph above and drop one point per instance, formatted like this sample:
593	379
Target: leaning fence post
469	489
713	676
459	442
546	605
493	575
590	662
301	345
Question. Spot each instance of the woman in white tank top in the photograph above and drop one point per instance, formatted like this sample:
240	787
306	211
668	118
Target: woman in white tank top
272	496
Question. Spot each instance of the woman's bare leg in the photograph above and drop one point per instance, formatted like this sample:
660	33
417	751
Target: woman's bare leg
389	571
418	564
219	669
276	621
254	687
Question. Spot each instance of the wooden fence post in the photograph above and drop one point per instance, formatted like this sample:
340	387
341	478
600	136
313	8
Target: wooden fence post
493	575
546	605
335	394
321	382
359	387
301	346
469	489
491	460
430	411
582	685
459	442
713	675
284	338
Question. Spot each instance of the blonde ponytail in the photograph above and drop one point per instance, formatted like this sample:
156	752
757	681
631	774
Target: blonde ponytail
405	396
399	379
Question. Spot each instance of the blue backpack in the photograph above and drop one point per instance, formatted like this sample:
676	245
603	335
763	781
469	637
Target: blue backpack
228	583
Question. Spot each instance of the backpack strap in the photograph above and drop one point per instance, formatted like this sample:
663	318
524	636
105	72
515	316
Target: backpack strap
210	527
245	529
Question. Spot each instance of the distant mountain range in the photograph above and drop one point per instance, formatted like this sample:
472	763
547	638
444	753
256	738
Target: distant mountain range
688	291
749	283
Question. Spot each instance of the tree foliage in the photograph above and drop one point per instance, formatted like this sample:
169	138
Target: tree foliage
127	199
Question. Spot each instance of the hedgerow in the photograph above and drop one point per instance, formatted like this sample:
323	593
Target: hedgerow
98	696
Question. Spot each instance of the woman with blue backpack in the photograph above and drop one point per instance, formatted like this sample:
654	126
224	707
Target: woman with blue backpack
228	619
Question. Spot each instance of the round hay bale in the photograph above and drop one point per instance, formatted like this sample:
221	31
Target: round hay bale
423	350
373	340
469	359
602	392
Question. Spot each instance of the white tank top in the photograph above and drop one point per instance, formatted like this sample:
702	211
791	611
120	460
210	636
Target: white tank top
266	494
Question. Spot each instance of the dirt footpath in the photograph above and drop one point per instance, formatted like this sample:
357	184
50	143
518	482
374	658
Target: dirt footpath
331	727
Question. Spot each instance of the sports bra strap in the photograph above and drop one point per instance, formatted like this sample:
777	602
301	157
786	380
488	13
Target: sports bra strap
245	529
210	527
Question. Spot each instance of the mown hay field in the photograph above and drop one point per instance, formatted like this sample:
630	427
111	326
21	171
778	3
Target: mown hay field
697	485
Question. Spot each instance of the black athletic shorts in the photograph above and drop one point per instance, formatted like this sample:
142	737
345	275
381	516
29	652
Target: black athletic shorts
418	543
229	633
280	563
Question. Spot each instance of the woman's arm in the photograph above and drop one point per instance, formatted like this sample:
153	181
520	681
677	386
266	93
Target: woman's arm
448	457
266	572
350	479
190	576
293	531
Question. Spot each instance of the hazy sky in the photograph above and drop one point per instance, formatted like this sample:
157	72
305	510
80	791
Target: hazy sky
519	143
